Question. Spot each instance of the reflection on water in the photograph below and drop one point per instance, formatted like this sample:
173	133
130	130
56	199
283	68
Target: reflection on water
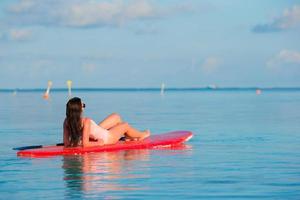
96	173
101	174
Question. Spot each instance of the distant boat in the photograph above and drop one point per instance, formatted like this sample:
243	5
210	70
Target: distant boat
212	86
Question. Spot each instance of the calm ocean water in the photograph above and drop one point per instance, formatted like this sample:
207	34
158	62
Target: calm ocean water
245	146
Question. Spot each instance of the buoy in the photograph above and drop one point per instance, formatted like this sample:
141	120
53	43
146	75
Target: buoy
69	83
47	93
15	92
162	89
258	91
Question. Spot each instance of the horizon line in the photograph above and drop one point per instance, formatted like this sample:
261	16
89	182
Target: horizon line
208	88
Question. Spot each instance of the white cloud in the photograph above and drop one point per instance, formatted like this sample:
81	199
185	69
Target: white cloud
16	35
289	19
86	13
211	64
284	57
19	34
21	6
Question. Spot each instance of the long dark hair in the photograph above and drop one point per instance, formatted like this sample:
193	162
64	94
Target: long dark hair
73	120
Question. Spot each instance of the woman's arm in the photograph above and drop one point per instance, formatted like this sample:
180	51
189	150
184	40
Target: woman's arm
86	135
66	135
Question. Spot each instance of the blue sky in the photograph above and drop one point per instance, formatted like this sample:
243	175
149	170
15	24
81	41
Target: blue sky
142	43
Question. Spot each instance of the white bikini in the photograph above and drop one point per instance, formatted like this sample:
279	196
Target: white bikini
97	132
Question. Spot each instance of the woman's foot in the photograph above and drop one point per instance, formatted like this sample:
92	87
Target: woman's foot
146	134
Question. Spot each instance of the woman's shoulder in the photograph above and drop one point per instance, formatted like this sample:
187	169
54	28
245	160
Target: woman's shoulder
87	120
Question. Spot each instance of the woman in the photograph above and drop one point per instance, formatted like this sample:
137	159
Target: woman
80	131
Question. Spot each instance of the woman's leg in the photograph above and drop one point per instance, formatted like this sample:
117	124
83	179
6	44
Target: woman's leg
118	131
110	121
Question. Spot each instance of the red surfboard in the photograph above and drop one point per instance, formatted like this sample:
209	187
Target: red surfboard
154	141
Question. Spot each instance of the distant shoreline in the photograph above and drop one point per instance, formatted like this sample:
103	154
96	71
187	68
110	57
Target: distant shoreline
153	89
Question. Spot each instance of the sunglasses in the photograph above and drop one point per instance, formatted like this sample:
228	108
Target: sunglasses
83	105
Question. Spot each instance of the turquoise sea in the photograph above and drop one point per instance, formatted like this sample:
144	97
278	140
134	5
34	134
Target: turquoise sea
245	146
